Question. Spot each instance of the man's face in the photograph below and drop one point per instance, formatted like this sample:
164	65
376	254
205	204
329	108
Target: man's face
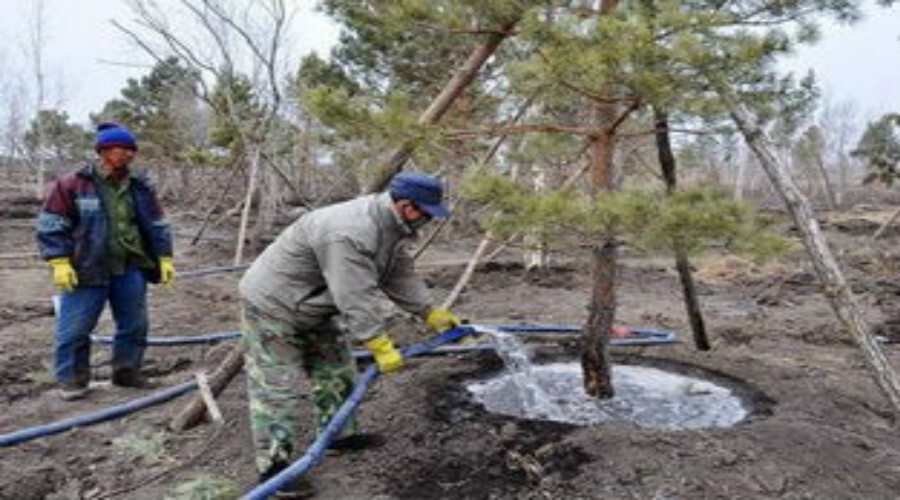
116	159
413	216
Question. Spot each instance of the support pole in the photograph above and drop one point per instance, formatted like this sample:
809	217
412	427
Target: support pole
193	412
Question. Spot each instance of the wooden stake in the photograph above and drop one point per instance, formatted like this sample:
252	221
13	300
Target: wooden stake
193	412
209	399
467	275
886	225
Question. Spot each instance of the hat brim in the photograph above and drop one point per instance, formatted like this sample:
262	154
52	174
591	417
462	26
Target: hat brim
437	211
124	145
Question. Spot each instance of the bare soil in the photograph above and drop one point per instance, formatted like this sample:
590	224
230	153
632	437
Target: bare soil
819	428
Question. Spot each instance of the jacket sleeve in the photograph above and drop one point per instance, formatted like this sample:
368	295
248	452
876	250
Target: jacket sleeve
405	287
55	223
352	279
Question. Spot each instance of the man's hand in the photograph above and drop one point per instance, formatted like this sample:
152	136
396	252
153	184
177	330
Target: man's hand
441	320
386	355
64	276
166	271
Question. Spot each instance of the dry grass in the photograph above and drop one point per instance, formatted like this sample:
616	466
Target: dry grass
721	269
206	487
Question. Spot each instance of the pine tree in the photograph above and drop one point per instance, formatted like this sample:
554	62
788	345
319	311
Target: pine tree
879	147
154	107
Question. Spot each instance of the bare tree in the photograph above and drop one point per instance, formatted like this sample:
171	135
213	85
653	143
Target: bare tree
838	121
835	287
34	50
221	39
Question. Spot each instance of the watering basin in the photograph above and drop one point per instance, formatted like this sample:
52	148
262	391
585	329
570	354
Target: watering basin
644	396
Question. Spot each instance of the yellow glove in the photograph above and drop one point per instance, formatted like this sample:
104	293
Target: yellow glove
441	320
386	355
166	271
64	276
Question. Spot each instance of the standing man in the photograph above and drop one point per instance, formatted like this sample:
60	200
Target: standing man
327	267
102	232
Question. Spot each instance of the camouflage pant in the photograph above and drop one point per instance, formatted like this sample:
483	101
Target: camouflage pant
276	353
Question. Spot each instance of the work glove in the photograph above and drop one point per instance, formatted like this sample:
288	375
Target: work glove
64	276
386	355
166	271
441	320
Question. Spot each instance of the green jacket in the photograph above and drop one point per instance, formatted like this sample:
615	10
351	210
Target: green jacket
335	260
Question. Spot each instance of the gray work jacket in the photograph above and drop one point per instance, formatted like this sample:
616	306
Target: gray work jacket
333	261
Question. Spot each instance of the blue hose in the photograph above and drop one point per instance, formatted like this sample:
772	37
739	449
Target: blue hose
210	338
211	270
646	336
643	336
315	452
113	412
640	335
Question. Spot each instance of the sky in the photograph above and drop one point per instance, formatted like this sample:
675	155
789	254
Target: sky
88	60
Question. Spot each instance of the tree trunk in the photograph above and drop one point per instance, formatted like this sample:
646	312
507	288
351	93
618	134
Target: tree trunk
840	195
740	178
467	274
835	287
595	363
886	225
535	255
445	99
248	203
825	179
668	166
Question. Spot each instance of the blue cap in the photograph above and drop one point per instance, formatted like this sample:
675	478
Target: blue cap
112	134
423	190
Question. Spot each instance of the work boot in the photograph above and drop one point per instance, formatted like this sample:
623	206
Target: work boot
73	391
299	489
130	377
296	490
357	442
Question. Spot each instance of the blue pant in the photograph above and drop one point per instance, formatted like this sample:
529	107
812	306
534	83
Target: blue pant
79	311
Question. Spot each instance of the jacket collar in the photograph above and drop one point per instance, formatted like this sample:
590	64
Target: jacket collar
389	217
88	170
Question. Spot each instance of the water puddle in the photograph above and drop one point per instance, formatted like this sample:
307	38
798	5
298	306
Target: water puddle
647	397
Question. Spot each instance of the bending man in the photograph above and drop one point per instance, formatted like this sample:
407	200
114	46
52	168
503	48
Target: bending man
329	266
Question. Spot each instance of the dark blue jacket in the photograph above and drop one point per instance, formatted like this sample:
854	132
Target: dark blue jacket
74	224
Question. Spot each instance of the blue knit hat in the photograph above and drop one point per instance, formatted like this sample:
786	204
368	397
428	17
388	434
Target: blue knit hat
423	190
112	134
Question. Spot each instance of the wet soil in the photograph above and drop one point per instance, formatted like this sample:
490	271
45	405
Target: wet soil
819	428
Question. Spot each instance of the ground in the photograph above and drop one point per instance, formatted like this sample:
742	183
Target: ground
819	427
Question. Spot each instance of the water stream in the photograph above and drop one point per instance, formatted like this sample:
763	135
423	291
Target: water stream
647	397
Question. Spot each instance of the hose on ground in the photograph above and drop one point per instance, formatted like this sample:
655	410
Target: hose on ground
641	336
110	413
315	452
644	336
193	273
209	338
